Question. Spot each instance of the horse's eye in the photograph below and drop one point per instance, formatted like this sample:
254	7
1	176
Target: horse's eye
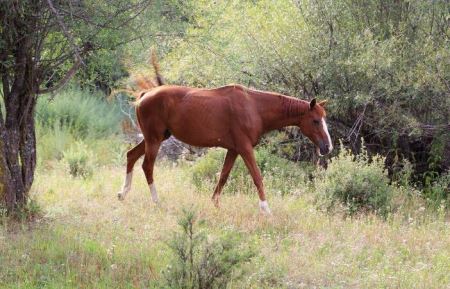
316	122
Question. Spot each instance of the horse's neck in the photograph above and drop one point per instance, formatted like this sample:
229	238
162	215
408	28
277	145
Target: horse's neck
278	111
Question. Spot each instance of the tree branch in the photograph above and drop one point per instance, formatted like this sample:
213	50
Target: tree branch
2	122
71	72
66	32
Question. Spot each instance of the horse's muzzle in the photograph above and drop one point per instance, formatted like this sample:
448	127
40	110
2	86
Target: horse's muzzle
324	148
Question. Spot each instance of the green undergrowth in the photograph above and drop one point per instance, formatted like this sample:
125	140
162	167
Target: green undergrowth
83	113
80	128
203	261
356	183
53	257
86	238
280	175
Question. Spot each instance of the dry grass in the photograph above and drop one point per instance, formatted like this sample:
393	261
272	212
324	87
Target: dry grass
88	239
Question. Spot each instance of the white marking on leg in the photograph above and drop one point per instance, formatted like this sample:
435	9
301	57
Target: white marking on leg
126	186
325	128
154	193
264	207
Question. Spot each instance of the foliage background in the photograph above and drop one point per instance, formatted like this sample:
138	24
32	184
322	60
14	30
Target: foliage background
384	65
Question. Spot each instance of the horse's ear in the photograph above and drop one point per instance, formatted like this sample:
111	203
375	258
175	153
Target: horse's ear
323	103
312	103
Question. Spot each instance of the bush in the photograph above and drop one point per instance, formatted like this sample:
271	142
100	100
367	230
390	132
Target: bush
437	190
76	114
280	175
200	263
79	160
52	142
358	183
81	112
342	50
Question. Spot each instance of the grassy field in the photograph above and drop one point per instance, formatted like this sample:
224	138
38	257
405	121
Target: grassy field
89	239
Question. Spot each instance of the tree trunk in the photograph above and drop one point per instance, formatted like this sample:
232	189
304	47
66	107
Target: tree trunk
18	155
39	40
5	175
18	141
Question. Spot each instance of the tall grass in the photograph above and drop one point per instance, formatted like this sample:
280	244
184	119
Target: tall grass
280	175
83	113
88	239
78	117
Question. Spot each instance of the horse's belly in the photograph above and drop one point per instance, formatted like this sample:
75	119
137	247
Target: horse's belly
201	131
202	121
202	136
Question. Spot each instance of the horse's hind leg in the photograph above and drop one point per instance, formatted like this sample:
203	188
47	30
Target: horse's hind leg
132	156
151	150
230	158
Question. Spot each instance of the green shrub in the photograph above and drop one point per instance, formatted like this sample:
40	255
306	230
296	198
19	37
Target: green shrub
81	112
437	190
357	183
206	168
52	142
79	160
203	262
280	175
110	150
342	50
78	114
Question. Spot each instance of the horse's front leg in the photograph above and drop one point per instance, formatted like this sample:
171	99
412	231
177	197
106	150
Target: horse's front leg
230	158
250	162
151	150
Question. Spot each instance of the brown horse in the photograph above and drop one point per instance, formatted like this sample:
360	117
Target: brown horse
232	117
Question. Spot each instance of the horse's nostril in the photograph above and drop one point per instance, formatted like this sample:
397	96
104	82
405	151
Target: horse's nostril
325	149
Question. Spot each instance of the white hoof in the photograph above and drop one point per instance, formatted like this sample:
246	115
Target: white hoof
121	196
154	194
264	208
126	187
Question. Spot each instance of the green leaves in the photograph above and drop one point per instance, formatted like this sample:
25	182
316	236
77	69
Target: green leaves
201	261
356	184
388	59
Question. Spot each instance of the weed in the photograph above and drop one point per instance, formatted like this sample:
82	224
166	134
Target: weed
200	263
79	160
356	182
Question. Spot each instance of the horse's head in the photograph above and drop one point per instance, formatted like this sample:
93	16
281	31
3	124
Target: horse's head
313	125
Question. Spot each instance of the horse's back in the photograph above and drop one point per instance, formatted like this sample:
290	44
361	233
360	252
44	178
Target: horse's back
201	117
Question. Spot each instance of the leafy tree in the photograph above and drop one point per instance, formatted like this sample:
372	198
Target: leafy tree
383	64
43	44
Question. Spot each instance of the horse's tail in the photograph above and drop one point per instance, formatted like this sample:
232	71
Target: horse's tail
144	83
159	79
